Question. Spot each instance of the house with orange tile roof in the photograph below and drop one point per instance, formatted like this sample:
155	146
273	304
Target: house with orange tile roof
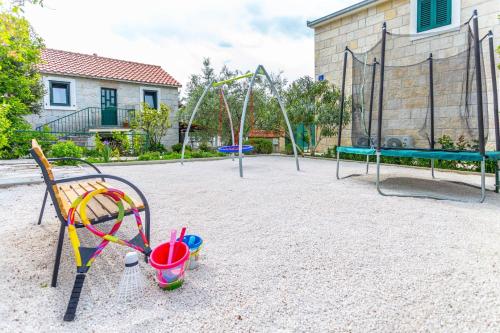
90	93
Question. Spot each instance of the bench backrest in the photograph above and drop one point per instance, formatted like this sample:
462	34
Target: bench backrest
48	176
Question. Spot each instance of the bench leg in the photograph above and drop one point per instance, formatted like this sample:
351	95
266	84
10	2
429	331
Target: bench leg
58	254
43	206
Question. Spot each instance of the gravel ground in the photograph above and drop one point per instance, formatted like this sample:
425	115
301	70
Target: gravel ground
284	251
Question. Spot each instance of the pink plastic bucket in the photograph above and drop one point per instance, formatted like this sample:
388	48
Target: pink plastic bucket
171	276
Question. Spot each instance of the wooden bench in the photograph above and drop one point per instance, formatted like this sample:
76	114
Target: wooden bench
65	190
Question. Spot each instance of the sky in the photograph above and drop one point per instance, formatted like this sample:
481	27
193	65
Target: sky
177	35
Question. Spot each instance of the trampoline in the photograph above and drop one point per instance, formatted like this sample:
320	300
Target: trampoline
235	149
425	106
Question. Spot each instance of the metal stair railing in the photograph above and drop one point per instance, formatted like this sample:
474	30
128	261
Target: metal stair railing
85	119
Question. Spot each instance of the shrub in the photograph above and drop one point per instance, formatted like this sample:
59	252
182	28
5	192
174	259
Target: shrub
150	156
102	148
261	146
173	156
66	149
289	149
20	142
121	142
154	123
157	147
91	153
204	147
138	143
178	148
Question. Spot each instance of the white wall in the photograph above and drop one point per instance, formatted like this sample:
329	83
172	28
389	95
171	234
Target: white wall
86	92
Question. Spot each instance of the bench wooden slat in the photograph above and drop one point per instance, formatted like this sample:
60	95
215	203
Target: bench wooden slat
93	209
95	202
71	194
139	204
107	205
98	207
67	196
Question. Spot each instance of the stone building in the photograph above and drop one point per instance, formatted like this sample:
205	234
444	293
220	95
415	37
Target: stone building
359	28
97	94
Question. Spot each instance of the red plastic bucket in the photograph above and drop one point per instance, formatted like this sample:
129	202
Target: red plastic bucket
170	276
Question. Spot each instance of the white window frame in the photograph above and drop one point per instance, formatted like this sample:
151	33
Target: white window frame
158	95
456	10
72	93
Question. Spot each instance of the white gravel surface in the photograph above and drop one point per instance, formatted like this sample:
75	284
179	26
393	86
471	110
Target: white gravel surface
284	251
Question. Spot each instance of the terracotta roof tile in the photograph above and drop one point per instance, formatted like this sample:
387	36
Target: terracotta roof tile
78	64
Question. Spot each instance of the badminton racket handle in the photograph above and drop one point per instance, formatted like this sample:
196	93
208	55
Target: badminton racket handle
75	297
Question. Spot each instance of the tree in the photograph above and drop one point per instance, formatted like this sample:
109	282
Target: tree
154	123
316	106
267	114
21	89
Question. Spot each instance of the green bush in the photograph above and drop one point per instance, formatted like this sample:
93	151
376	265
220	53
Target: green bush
121	142
20	142
174	156
91	153
138	144
260	146
177	148
204	147
289	149
150	156
66	149
157	147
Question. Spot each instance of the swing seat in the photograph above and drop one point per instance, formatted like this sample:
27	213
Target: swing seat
235	149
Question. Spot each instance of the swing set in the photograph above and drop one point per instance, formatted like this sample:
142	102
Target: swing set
239	148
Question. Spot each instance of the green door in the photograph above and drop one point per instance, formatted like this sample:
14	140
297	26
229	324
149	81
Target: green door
109	115
302	137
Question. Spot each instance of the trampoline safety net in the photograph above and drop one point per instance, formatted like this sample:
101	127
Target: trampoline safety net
423	75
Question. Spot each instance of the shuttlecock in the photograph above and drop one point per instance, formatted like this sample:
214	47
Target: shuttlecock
132	281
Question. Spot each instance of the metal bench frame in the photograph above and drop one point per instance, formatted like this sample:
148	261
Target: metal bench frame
50	191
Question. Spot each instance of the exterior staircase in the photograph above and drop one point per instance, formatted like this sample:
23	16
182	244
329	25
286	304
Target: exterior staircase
90	118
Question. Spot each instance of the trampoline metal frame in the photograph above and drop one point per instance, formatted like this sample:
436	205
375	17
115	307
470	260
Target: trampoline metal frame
352	174
482	147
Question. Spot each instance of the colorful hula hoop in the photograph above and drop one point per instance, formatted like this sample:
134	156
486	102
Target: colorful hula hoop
234	149
81	202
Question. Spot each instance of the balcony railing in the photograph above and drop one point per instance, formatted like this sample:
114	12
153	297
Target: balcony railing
91	118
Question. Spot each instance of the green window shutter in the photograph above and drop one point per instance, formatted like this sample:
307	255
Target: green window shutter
443	12
433	14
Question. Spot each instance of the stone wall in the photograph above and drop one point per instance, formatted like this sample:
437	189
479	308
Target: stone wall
129	96
361	30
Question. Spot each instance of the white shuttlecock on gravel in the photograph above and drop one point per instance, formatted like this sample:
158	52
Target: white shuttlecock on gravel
132	281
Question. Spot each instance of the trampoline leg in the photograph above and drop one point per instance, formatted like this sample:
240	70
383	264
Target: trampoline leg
354	174
432	169
338	164
378	174
497	177
483	180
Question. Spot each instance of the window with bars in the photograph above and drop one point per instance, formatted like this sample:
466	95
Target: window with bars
433	14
